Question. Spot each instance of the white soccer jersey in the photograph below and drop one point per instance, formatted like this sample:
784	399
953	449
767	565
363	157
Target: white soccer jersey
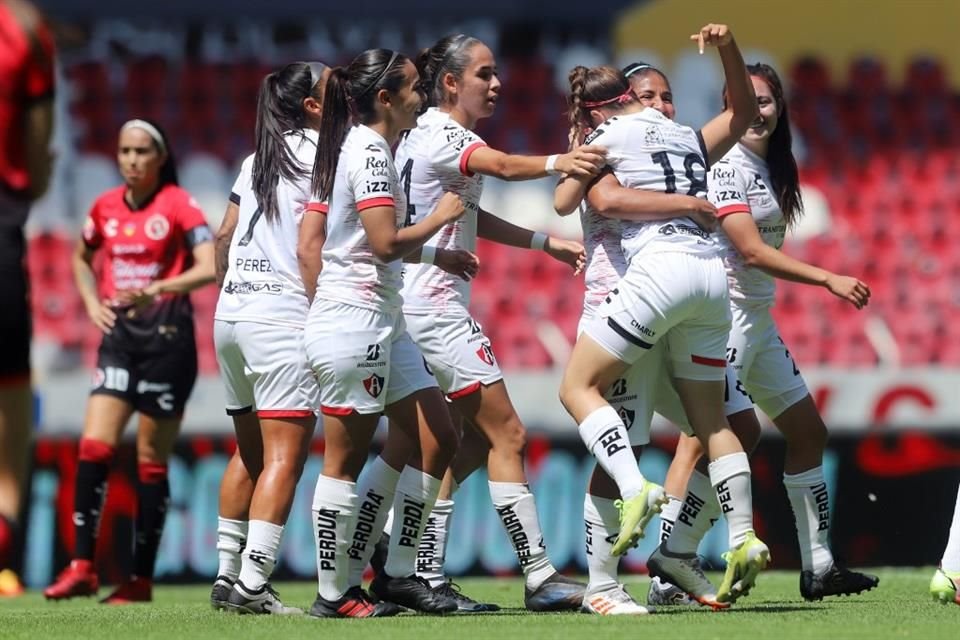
647	150
606	263
433	159
740	183
262	283
366	177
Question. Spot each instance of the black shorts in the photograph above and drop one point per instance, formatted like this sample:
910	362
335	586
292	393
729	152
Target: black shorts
156	384
15	323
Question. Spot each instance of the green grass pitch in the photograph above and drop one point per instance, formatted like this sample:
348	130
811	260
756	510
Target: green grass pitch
900	608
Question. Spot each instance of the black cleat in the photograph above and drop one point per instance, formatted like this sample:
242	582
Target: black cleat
557	593
835	581
262	601
222	587
413	593
465	604
355	603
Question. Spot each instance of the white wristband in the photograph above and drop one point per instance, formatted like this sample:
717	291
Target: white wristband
538	241
551	166
427	254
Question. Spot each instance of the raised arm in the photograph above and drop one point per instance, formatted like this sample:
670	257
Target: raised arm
582	161
496	229
389	243
723	132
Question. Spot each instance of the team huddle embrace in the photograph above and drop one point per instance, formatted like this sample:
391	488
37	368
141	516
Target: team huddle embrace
345	262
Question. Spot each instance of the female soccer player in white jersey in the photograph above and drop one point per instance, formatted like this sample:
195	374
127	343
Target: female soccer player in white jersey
756	189
258	327
675	288
356	341
459	76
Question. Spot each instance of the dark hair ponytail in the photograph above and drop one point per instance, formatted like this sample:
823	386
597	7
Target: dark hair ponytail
451	54
351	92
168	172
595	87
783	166
280	110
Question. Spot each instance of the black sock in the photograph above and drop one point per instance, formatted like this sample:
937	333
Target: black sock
153	499
88	501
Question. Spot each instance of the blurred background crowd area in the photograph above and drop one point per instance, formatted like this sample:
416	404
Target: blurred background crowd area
874	101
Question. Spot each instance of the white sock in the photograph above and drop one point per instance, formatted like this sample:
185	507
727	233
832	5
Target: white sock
231	538
668	516
951	554
698	511
416	495
602	522
335	504
730	477
518	511
433	545
376	489
807	492
260	554
606	438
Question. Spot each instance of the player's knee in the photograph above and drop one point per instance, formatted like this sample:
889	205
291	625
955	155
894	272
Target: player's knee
510	435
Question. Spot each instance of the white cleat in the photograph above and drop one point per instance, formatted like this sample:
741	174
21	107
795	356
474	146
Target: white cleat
685	573
613	602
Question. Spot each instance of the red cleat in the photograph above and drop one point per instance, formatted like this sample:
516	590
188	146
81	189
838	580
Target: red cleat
78	579
136	589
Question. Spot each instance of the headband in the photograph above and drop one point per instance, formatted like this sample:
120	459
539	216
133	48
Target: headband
316	72
623	98
382	74
151	130
637	67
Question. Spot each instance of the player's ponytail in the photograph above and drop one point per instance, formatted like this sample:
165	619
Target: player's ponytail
783	166
578	119
351	93
596	88
451	54
280	111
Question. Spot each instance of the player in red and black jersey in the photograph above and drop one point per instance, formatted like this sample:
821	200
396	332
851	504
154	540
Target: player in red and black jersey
26	121
156	248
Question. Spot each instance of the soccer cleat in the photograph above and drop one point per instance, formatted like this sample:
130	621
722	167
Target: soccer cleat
78	579
10	585
556	593
744	563
262	601
613	602
378	560
686	574
413	593
355	603
465	604
635	514
943	587
136	589
222	587
835	581
664	594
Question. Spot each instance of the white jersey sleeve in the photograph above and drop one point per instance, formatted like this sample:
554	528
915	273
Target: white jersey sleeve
433	159
648	151
366	178
262	283
740	183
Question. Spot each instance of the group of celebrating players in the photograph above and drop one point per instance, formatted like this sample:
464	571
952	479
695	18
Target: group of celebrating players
344	263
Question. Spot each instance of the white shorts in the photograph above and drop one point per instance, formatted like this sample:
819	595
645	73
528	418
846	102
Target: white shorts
762	361
364	359
681	297
458	352
264	367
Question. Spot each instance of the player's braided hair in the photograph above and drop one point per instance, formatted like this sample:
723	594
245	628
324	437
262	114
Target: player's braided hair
588	87
783	166
351	94
279	111
451	54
